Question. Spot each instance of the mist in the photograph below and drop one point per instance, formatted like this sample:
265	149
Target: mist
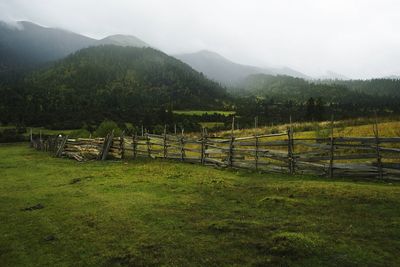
358	39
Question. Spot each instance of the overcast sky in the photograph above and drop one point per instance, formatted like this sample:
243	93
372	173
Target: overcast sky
357	38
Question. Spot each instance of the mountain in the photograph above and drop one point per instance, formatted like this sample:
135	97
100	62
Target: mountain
123	40
122	83
229	73
25	44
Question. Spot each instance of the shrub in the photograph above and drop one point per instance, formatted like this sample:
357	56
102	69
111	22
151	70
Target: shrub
107	127
82	133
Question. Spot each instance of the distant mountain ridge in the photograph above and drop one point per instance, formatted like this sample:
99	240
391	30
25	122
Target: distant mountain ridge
227	72
123	40
27	44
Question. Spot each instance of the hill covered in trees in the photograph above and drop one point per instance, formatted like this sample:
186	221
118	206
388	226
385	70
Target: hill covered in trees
140	85
275	98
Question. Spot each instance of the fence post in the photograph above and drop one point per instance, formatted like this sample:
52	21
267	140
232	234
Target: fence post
107	146
62	145
134	145
290	154
148	145
332	151
377	148
231	146
205	144
256	155
165	142
202	146
182	146
122	144
103	147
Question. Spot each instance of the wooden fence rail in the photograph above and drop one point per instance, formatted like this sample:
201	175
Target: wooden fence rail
368	157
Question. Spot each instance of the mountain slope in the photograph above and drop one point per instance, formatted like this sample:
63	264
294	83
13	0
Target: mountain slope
26	44
29	44
220	69
124	83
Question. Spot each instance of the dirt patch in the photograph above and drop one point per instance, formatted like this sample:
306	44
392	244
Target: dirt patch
75	181
49	238
80	179
31	208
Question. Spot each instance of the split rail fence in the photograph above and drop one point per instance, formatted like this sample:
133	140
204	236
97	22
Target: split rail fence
367	157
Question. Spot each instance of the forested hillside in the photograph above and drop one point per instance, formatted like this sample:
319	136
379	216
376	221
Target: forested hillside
276	98
140	85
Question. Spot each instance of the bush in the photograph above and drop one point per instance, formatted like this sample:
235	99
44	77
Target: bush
107	127
321	132
82	133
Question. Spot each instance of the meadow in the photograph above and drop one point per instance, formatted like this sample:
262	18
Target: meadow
203	112
58	212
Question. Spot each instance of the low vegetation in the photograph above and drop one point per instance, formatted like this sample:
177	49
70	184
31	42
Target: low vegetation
203	112
150	213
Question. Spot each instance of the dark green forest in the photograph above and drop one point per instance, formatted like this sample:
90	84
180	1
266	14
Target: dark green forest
138	85
143	86
276	98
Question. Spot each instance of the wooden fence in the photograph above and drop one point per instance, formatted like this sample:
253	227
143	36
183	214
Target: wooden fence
367	157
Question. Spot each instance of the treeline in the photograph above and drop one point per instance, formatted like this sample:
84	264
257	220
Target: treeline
127	84
273	99
143	86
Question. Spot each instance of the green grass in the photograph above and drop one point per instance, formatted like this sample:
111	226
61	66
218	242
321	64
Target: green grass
211	125
203	112
154	212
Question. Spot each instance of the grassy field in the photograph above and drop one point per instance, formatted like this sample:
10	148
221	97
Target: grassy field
203	112
322	129
211	125
57	212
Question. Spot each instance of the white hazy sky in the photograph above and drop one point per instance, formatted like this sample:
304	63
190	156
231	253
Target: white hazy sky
357	38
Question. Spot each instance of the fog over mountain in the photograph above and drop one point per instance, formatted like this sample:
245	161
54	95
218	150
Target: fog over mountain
229	73
358	39
25	44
